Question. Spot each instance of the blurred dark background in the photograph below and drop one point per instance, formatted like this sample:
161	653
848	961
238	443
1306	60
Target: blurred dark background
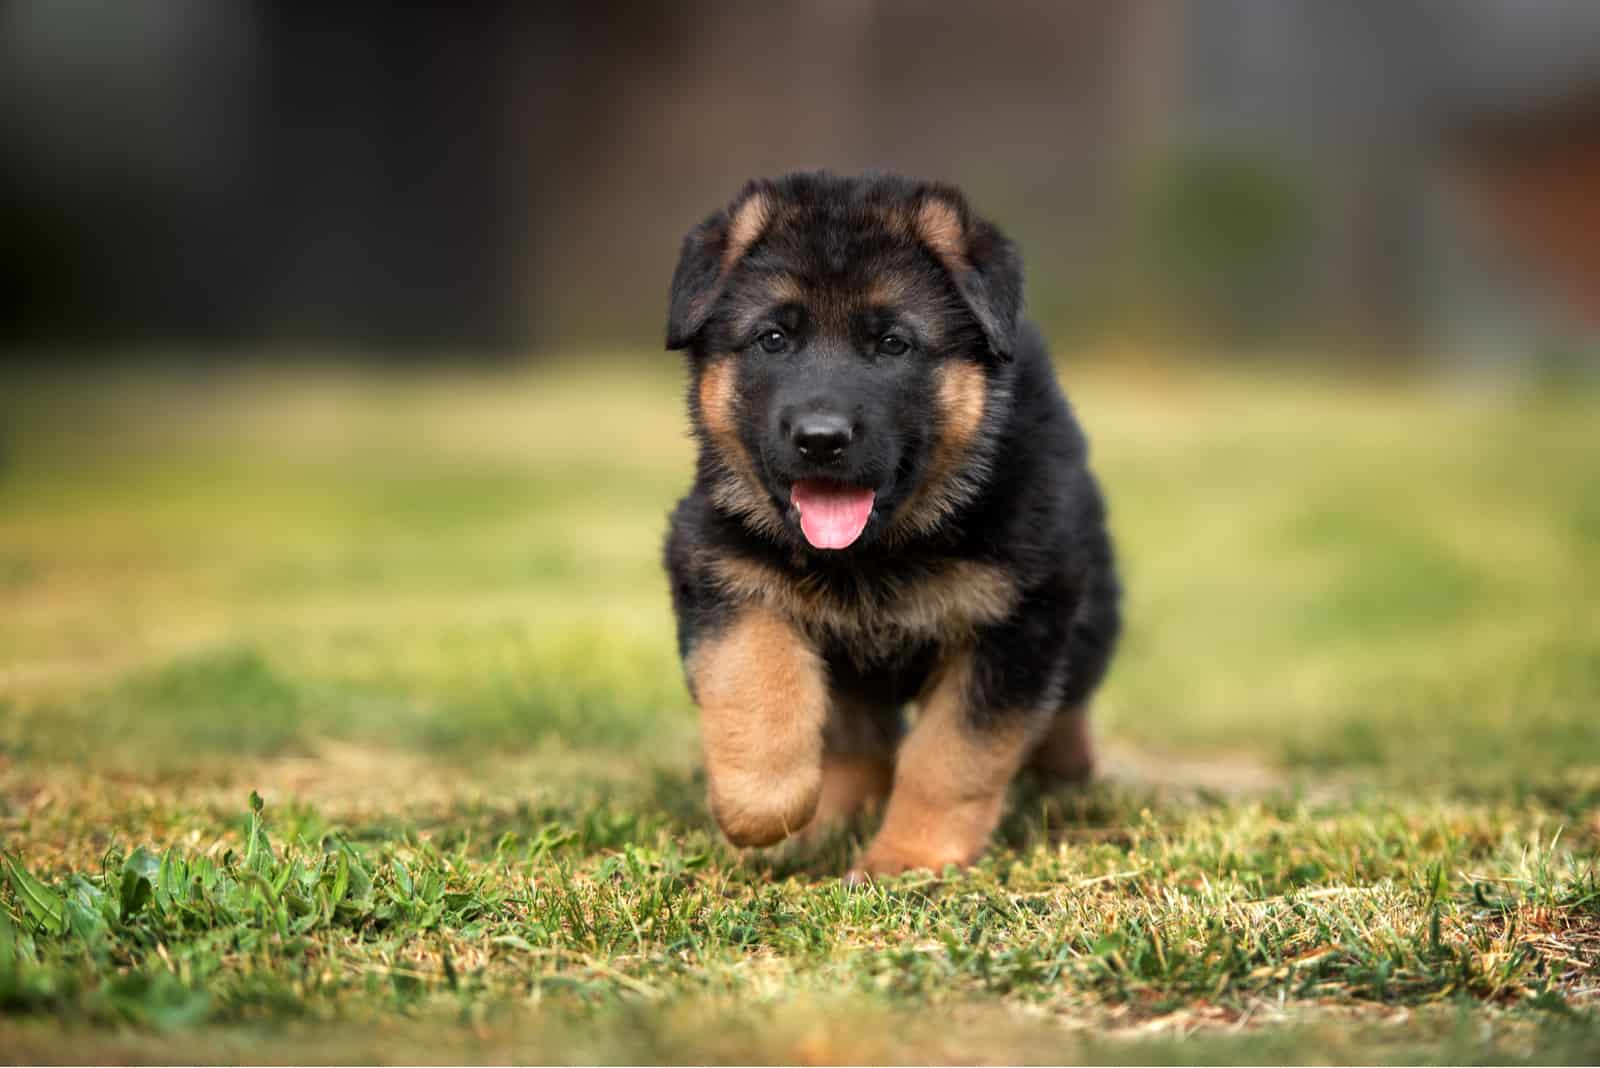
410	181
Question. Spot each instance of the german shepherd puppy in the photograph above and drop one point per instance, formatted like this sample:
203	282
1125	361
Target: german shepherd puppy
891	505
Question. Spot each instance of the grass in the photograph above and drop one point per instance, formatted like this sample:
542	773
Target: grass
340	721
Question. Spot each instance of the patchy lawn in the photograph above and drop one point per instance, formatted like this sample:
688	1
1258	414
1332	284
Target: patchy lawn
1350	807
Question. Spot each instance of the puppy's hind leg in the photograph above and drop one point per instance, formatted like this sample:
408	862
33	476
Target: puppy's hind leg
1066	751
858	755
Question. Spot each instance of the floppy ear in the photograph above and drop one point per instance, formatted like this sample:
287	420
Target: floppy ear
985	266
709	252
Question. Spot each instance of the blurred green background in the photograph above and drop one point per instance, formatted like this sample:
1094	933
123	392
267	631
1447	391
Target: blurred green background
1321	571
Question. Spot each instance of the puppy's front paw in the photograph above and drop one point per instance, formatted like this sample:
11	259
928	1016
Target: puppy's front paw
764	810
884	859
919	834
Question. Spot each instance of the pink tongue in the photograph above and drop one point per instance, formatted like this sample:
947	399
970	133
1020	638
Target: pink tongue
831	516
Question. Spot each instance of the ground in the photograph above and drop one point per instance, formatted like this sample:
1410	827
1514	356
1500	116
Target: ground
340	721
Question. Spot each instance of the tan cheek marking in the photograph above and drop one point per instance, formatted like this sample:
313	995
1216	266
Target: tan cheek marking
749	219
939	227
763	703
962	393
950	783
961	397
739	491
716	396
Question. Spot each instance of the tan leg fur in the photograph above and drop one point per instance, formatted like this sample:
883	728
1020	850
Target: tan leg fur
763	702
949	785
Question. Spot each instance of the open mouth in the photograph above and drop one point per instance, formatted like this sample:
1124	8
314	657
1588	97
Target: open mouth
832	514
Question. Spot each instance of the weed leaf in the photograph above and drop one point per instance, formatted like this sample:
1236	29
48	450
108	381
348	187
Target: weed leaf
43	904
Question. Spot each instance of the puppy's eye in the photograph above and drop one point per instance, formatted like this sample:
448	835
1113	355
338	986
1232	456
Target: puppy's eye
773	341
893	345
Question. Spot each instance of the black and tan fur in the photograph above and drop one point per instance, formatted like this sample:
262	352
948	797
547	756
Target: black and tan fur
982	589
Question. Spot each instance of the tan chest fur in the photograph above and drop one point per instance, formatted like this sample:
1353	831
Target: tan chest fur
945	605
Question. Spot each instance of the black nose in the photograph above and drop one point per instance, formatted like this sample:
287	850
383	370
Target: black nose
821	436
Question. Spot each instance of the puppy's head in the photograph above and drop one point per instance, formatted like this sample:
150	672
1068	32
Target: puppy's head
850	338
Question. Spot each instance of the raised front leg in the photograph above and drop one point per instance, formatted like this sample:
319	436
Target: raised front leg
950	777
763	701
